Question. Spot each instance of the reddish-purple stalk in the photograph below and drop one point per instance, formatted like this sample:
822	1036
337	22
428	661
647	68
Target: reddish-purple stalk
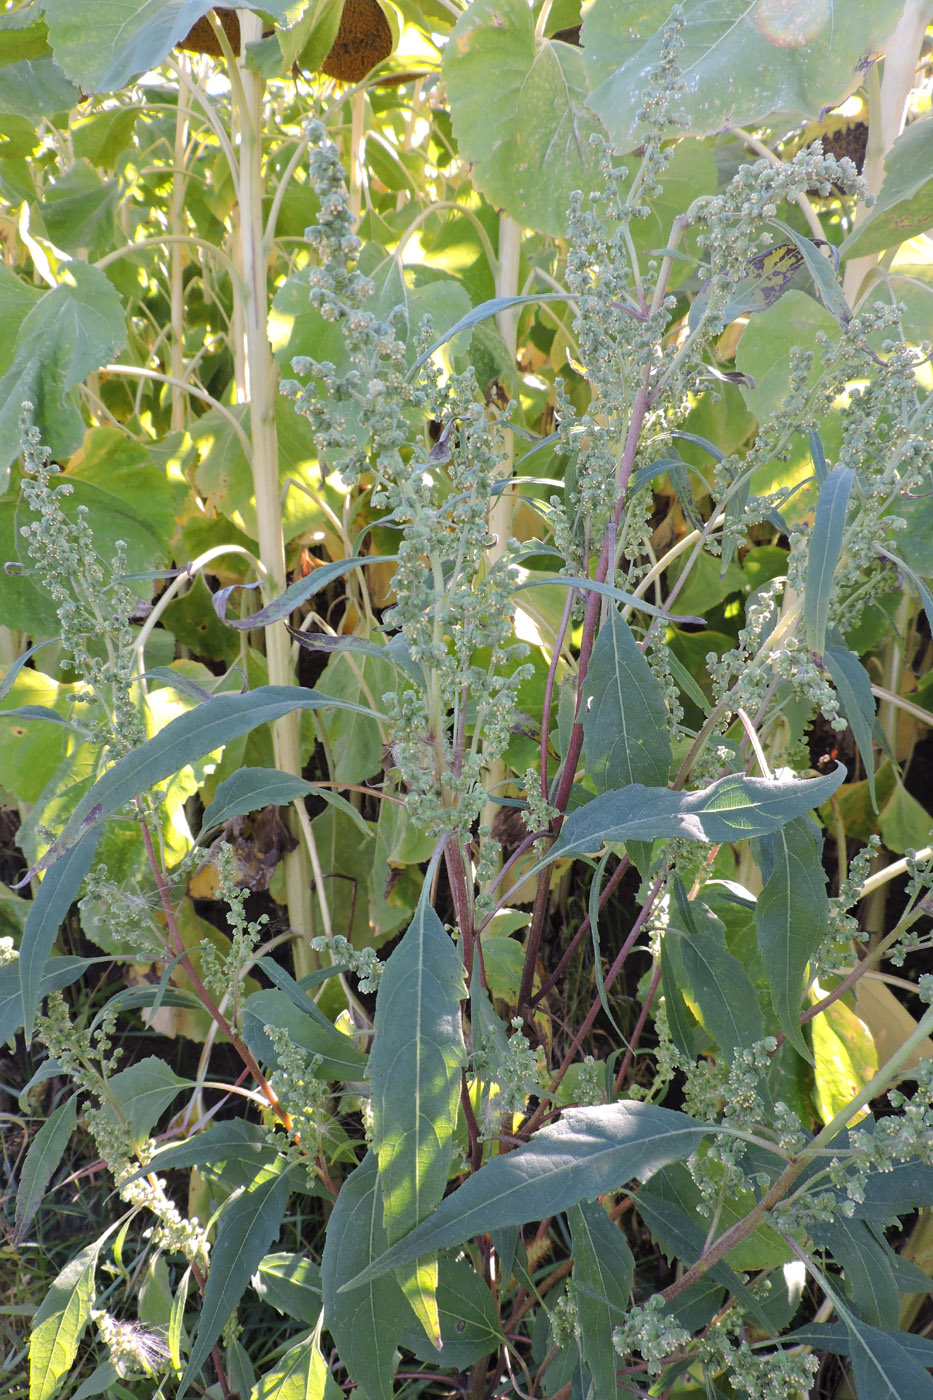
582	931
590	627
534	1122
203	994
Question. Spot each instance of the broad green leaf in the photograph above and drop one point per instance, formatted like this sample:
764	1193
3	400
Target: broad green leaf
590	1151
518	104
844	1056
823	553
884	1366
905	822
72	330
59	1323
241	1376
224	475
355	741
822	272
184	740
338	1057
57	972
469	1322
17	298
42	1159
603	1272
35	88
853	688
679	1233
791	917
297	593
301	1374
685	1031
248	1224
904	206
682	1227
834	1337
415	1063
739	63
51	903
78	210
768	341
292	1284
625	719
250	789
733	808
30	750
143	1093
225	1142
718	981
866	1266
367	1323
102	47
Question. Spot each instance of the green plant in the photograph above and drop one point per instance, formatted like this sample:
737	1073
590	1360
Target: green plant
573	705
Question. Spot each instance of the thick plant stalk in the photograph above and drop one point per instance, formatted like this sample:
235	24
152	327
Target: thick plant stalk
177	253
261	388
887	108
500	515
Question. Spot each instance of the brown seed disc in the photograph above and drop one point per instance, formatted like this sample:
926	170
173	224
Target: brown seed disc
202	39
363	40
849	140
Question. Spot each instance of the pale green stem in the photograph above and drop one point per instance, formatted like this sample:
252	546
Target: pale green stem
887	106
357	140
503	505
889	1072
189	240
140	372
262	389
893	871
177	225
202	561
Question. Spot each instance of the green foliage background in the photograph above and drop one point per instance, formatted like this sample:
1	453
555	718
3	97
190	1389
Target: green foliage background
555	1019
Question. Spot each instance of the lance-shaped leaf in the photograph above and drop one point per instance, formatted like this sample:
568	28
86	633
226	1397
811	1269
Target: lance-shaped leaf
58	972
624	715
248	1224
853	687
42	1159
297	593
366	1324
52	902
718	982
791	916
885	1367
823	554
250	789
603	1270
59	1323
733	808
590	1151
415	1065
189	737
